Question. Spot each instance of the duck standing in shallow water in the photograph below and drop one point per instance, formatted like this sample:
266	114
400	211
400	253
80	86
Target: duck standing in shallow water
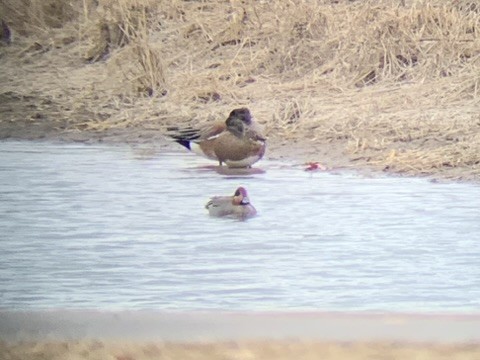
237	142
237	206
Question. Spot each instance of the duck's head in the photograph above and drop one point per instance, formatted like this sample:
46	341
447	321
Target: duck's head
243	114
241	197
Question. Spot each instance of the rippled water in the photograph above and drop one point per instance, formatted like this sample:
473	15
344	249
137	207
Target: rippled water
93	226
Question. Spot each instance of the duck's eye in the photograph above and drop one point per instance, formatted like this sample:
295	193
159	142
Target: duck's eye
237	193
246	119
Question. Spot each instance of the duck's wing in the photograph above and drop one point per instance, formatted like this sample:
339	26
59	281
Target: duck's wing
196	134
220	206
218	201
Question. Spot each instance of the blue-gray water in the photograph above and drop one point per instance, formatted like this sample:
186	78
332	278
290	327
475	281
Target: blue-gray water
96	226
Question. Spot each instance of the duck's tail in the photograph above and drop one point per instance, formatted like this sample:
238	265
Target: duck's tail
183	136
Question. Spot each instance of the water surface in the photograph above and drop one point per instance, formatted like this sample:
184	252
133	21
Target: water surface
117	227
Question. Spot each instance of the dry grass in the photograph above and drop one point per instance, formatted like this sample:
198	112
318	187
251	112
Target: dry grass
398	86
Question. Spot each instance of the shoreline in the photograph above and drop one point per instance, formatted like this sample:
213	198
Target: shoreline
214	326
140	335
296	153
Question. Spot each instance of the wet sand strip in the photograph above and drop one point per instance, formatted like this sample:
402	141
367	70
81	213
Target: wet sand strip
128	335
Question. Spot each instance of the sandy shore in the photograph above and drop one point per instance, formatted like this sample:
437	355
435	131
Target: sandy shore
265	350
125	335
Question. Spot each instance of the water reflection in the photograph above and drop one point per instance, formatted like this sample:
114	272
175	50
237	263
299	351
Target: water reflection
108	227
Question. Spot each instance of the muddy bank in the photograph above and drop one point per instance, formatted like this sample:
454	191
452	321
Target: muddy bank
296	151
24	119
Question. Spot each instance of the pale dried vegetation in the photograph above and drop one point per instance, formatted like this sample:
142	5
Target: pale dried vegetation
396	83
